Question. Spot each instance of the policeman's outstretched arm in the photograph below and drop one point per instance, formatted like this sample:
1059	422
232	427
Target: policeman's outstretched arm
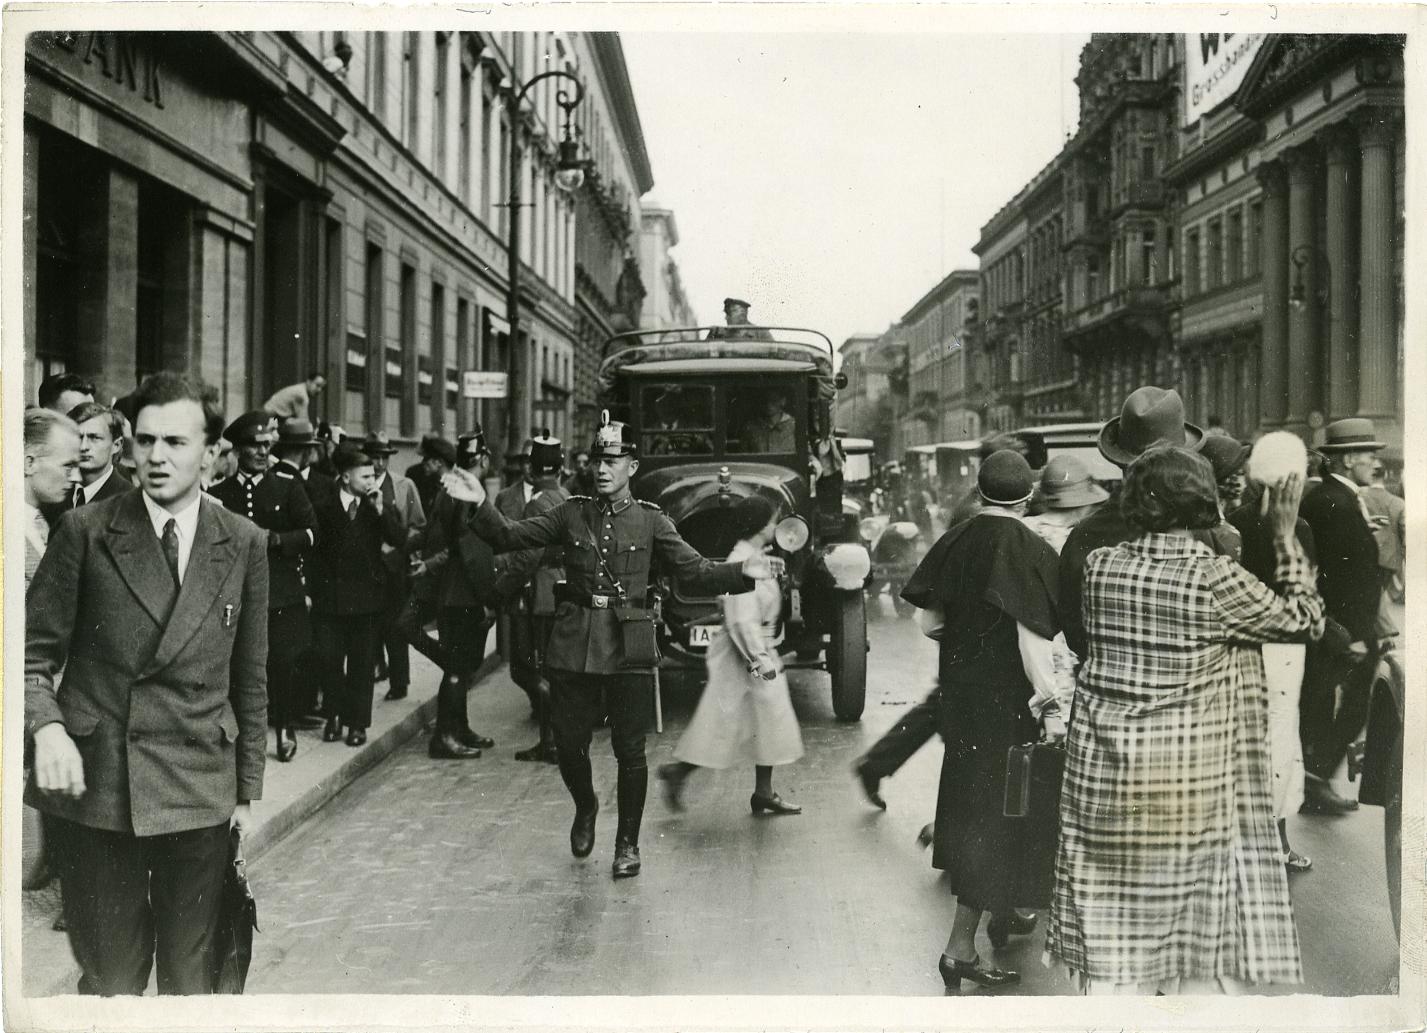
697	574
503	535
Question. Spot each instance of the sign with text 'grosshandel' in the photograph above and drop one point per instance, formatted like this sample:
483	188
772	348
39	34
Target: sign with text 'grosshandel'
477	384
1214	65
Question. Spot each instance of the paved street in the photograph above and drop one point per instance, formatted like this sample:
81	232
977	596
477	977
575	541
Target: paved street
456	878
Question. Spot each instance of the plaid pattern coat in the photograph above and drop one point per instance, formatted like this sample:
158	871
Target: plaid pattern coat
1168	861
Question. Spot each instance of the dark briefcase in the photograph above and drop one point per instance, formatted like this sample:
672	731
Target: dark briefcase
233	943
1033	777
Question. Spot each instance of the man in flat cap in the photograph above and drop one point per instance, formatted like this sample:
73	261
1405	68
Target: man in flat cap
274	499
401	495
735	314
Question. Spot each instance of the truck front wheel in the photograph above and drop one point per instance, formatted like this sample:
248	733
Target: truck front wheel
847	655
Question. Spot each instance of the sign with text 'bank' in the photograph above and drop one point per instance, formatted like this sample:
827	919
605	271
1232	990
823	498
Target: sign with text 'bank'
1215	63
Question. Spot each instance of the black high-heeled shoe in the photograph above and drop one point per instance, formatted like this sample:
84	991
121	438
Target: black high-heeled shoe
774	804
953	972
1002	927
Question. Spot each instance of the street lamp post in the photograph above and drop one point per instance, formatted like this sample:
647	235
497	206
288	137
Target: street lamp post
569	176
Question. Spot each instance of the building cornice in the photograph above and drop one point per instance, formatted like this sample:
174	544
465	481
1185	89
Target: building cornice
1226	144
614	73
949	285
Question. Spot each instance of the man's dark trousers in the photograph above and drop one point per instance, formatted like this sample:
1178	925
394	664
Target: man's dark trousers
132	900
353	638
1328	724
393	638
912	731
579	703
289	639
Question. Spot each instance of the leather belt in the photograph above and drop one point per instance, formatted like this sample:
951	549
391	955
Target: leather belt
589	600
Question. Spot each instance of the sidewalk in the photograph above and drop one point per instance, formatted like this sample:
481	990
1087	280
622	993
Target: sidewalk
291	793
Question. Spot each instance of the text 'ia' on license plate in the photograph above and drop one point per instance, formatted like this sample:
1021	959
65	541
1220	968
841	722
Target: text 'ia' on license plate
701	634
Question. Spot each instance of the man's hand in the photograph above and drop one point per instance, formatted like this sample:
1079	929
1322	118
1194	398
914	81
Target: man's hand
375	498
417	567
58	766
1358	651
243	818
761	567
1282	506
463	486
1053	725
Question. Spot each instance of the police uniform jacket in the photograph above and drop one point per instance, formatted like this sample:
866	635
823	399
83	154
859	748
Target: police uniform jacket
538	571
278	504
631	537
349	576
165	687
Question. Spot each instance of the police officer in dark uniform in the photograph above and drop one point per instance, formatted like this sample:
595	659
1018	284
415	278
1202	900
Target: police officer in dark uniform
275	501
611	543
538	571
456	576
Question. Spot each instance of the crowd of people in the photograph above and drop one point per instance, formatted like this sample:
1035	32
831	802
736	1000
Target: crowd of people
1194	651
1195	654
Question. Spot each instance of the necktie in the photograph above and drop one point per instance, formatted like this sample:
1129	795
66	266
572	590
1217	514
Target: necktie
42	528
352	510
170	546
78	497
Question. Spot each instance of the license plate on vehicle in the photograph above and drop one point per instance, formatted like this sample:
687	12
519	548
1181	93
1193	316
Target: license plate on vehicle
701	634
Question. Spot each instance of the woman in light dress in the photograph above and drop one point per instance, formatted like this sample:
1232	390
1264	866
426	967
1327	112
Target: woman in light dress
745	715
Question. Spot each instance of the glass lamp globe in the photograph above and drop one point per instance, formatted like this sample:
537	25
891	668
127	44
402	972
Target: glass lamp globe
570	179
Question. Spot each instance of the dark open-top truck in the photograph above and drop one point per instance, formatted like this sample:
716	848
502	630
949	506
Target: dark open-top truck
723	413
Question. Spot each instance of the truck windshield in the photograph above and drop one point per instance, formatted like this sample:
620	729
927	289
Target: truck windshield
760	422
678	419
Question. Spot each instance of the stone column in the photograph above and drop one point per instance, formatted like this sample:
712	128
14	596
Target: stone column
1273	365
1304	268
1377	319
1340	390
107	320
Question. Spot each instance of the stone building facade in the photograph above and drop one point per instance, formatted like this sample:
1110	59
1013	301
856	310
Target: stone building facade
935	330
257	206
667	304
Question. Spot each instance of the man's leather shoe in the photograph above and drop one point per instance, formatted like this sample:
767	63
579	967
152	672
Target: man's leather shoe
473	740
332	731
395	694
582	832
870	785
445	746
357	737
286	744
1320	798
626	859
541	752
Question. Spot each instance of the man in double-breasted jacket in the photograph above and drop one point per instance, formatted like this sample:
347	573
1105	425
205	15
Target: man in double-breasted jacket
401	495
154	605
272	496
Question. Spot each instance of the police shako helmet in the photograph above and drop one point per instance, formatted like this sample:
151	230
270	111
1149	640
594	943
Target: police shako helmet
613	439
546	454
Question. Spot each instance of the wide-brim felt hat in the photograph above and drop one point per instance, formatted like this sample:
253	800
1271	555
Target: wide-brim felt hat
1066	484
348	455
1150	416
1225	454
443	450
377	443
296	432
1355	434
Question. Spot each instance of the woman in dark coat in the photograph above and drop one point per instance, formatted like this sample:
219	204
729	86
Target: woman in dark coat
995	581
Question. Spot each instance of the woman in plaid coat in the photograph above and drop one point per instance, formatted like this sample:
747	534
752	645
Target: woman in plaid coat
1168	874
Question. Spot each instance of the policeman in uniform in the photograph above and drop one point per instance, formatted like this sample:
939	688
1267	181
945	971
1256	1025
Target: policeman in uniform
611	543
538	571
456	573
275	501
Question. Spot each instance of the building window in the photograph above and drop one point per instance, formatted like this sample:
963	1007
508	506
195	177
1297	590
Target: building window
438	128
1191	263
433	382
62	181
401	360
464	132
410	91
1234	246
488	141
376	74
1147	169
1092	280
1214	262
1255	242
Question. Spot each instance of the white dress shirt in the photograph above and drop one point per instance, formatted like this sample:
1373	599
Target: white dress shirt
347	499
91	490
186	522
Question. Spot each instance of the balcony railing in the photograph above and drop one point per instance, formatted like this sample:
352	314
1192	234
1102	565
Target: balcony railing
1138	299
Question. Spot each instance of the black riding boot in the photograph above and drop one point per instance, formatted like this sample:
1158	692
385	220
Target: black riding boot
575	771
633	785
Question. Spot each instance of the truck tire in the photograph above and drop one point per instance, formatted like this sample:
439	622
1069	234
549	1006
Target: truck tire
847	655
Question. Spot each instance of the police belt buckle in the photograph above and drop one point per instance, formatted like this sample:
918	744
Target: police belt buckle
599	602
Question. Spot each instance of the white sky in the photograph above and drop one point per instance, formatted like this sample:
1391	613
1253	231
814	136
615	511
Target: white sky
833	179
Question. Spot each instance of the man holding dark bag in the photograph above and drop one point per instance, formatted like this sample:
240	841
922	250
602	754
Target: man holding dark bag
611	544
